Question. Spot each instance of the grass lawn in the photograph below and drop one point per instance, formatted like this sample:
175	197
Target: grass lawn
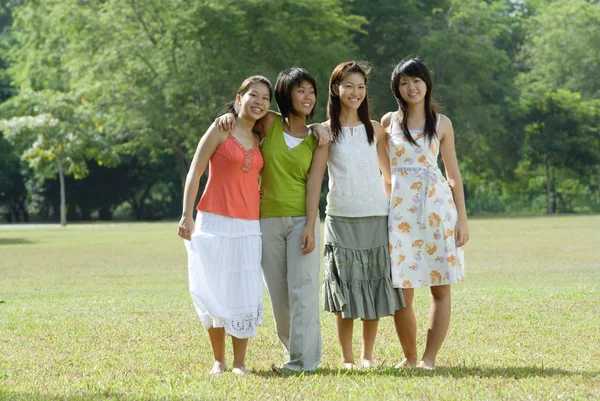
102	312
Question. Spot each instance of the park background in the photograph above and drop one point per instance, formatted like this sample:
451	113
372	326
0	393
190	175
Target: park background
107	99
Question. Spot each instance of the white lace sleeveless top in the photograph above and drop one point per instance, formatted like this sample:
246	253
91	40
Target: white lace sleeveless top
355	185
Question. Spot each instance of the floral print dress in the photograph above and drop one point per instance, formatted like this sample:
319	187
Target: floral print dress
422	216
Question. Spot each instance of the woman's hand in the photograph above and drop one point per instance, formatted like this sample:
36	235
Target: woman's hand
461	233
308	240
225	122
186	227
322	133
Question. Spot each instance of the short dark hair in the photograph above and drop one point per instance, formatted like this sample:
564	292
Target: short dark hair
287	80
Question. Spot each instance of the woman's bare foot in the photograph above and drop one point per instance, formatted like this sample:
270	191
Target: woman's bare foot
426	365
406	364
368	364
218	368
239	370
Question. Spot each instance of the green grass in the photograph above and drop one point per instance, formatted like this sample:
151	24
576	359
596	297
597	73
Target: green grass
102	312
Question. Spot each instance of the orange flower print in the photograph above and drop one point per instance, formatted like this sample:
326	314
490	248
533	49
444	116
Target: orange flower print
451	203
390	247
404	227
414	266
418	243
437	235
422	159
431	192
401	258
431	248
435	277
417	185
434	220
407	284
448	233
400	152
412	209
394	162
403	173
451	260
397	201
434	148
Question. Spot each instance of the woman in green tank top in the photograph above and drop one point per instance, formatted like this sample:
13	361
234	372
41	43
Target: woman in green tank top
290	230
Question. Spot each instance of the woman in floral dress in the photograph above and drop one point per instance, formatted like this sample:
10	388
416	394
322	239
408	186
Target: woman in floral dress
427	219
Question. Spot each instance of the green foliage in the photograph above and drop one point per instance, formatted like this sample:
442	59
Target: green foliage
142	80
53	126
561	50
158	71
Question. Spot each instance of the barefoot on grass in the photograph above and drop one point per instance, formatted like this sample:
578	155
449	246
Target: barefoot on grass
406	364
426	365
368	364
218	368
239	370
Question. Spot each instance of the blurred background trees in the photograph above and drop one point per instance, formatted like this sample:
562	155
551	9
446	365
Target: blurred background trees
104	102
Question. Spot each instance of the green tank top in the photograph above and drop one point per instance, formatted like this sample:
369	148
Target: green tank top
285	173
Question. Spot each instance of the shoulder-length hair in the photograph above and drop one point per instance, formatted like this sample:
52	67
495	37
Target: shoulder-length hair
245	87
414	67
287	80
333	103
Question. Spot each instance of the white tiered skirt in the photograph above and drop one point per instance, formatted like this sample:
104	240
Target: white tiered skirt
225	277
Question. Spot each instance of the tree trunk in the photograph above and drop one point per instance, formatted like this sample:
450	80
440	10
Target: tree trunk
548	187
183	165
63	200
554	199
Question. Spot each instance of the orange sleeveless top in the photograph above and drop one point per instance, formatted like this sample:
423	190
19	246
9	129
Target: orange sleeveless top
232	187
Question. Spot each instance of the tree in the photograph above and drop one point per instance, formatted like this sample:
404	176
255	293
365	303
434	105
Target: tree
12	186
157	71
56	134
562	133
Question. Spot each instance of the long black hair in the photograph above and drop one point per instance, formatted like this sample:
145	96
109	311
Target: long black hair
333	103
414	67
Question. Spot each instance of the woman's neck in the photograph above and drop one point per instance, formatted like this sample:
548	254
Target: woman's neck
415	116
244	125
295	126
349	118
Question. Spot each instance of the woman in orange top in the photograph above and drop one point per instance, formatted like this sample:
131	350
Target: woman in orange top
224	246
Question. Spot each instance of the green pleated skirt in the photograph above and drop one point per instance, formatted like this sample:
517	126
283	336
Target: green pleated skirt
357	281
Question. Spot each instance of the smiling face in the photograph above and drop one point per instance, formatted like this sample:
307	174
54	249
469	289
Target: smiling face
412	89
352	90
303	98
254	103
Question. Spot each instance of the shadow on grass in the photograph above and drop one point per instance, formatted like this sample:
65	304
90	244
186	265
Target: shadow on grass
14	241
458	372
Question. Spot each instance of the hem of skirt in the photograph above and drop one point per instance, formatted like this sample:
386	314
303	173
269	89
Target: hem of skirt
335	299
226	235
248	321
427	285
